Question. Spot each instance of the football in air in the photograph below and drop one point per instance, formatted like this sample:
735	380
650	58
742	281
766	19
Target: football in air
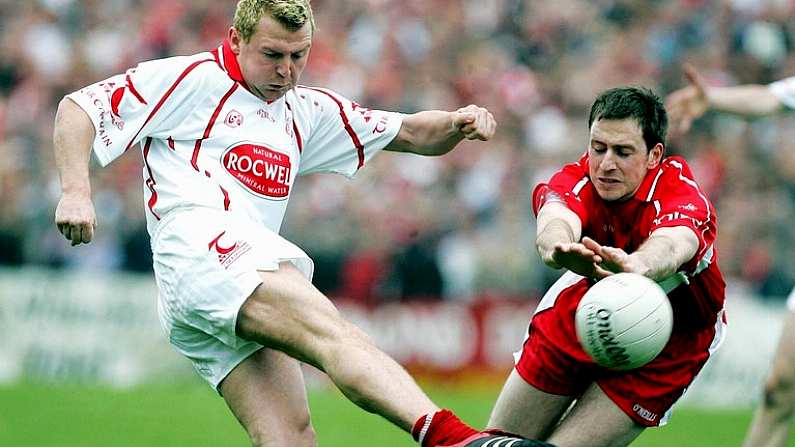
624	321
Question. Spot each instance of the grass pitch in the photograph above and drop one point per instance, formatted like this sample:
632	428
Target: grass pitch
190	414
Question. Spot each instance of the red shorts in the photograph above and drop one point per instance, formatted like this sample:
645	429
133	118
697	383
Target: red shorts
553	361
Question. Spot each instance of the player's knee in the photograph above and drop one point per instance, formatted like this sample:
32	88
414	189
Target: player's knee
779	392
297	433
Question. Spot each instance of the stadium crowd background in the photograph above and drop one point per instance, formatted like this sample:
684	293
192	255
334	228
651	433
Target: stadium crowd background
459	226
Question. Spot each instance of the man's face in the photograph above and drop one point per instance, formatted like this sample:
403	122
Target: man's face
618	158
273	59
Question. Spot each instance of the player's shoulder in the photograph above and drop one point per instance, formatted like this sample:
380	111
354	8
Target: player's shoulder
317	97
675	165
676	177
194	67
315	103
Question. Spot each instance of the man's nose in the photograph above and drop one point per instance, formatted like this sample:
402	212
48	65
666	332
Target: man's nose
608	161
283	68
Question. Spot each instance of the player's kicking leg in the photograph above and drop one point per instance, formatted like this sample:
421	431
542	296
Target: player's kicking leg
288	314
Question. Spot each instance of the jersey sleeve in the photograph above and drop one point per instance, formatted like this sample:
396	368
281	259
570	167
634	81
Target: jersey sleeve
568	186
144	101
784	90
680	202
340	135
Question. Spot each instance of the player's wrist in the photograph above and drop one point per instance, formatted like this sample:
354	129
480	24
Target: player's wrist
76	190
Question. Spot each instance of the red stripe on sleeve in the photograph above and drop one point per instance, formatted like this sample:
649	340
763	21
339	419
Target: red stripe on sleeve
150	182
132	89
165	96
347	124
194	159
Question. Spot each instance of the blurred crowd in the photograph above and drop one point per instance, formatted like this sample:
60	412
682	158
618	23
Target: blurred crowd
459	226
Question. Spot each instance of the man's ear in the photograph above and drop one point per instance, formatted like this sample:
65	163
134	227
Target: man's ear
234	40
655	155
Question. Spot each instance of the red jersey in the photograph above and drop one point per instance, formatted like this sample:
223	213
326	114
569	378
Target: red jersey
667	197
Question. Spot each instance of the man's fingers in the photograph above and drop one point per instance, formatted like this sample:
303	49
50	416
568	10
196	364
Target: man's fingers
67	231
88	233
591	244
693	76
684	126
462	119
476	123
601	273
77	235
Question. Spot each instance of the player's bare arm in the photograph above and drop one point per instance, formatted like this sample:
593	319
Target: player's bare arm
557	240
689	103
72	139
436	132
662	254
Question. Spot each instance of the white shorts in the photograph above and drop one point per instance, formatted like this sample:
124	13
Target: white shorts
791	301
206	264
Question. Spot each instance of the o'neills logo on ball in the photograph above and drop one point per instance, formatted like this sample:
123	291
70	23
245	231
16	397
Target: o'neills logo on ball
601	335
263	171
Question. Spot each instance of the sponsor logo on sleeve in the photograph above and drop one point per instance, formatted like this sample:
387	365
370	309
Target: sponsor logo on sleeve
368	115
263	171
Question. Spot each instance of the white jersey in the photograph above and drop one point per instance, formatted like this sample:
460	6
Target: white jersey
207	141
784	90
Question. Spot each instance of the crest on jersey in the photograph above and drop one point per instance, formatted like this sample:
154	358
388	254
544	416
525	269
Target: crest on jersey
263	171
233	119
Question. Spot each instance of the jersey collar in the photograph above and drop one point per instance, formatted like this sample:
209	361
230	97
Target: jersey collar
647	187
227	60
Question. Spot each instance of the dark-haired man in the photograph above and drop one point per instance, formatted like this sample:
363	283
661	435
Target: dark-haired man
621	208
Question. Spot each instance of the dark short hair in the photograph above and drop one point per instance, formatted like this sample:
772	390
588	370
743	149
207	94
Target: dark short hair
633	102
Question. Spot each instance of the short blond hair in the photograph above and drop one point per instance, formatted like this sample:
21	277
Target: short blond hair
293	14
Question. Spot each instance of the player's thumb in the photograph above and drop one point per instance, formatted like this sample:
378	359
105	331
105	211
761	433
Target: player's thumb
461	119
693	76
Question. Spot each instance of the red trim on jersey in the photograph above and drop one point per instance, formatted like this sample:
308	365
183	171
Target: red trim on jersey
226	198
217	58
150	182
165	96
347	124
170	142
132	89
295	130
231	66
198	146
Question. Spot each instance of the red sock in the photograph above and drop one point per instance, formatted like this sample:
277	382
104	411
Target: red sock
442	427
